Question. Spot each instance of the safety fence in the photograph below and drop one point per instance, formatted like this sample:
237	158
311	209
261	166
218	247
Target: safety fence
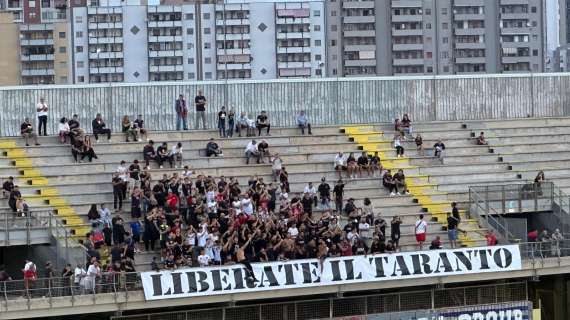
354	305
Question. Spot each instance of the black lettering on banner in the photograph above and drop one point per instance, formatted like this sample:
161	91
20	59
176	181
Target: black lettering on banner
483	258
289	277
466	261
192	285
306	268
268	273
202	277
335	269
349	267
401	266
379	265
238	279
421	266
157	285
498	259
443	261
177	281
316	266
218	279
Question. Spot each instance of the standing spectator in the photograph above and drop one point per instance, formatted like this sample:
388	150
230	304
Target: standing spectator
30	274
42	112
78	277
420	144
200	102
138	124
481	141
99	127
231	123
556	237
27	131
13	198
134	174
263	122
93	272
213	149
420	231
252	151
128	129
439	147
276	165
63	130
312	192
303	122
338	192
395	233
222	114
398	146
325	194
452	224
118	184
181	108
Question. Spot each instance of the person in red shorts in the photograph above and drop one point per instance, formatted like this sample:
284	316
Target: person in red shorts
420	231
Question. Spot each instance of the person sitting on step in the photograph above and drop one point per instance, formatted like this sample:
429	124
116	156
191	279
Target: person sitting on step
481	141
213	149
129	129
27	132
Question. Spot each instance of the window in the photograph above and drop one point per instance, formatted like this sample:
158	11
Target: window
81	79
317	13
429	69
62	35
208	75
428	55
80	64
333	43
62	49
63	79
207	16
444	54
443	10
191	75
190	46
79	34
428	39
428	12
317	57
189	31
79	49
317	43
334	72
63	64
79	19
445	68
189	16
445	26
428	25
333	13
334	27
535	67
190	60
445	40
534	23
208	60
317	28
535	52
32	3
533	9
318	72
207	45
207	31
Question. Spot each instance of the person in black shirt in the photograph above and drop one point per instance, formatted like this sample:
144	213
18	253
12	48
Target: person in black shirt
388	182
118	194
439	147
395	230
263	148
262	122
138	125
324	193
212	149
338	192
364	164
99	127
27	132
74	129
222	122
134	174
452	224
13	198
149	153
200	103
8	186
400	182
163	155
231	123
375	164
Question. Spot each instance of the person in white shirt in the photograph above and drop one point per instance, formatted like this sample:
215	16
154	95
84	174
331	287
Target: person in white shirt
340	164
203	236
312	192
105	214
247	205
123	171
364	228
64	130
252	151
78	276
276	166
187	173
420	231
176	155
93	272
42	112
203	258
293	231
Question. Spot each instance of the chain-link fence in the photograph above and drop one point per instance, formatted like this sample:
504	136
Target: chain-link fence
354	306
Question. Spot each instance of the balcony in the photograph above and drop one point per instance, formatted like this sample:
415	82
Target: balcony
232	22
408	18
174	68
360	34
232	36
15	5
359	47
164	9
38	72
516	59
508	31
515	16
106	55
232	7
37	57
407	46
37	27
105	40
407	3
165	39
234	66
468	3
165	53
360	63
105	25
233	51
293	49
408	62
164	24
101	70
470	60
468	16
359	19
470	45
407	32
104	10
289	65
292	21
299	72
294	35
512	2
358	4
36	42
520	44
469	31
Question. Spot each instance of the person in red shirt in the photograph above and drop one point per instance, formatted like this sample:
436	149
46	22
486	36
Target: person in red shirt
533	235
491	238
345	249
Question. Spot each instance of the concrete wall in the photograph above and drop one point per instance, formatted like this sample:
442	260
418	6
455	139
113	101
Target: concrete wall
10	53
328	101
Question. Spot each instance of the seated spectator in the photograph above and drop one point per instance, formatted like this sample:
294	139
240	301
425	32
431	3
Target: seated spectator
351	166
93	214
27	132
400	182
388	182
7	187
162	155
251	150
398	127
176	155
340	164
77	150
481	139
364	164
212	149
398	146
263	122
74	128
420	144
149	153
22	207
439	148
138	125
99	127
63	130
129	129
491	238
244	123
303	122
88	150
263	148
436	244
406	125
375	164
13	198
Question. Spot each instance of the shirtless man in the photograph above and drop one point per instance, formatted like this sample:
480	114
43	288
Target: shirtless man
240	255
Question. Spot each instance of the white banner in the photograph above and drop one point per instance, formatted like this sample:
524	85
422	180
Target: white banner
190	282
